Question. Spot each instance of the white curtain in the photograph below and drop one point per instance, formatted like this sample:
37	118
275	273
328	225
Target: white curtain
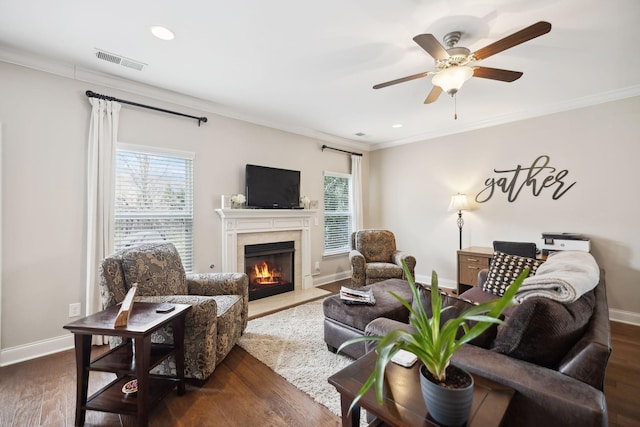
356	180
103	135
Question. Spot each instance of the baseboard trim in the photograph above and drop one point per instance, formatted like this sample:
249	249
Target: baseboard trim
330	278
442	283
10	356
624	317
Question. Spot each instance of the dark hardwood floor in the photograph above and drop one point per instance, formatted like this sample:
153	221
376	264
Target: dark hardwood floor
622	381
241	392
244	392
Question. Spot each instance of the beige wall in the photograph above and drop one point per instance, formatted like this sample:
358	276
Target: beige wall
407	189
45	126
411	186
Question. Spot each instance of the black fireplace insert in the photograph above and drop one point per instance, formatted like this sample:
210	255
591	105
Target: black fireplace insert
270	268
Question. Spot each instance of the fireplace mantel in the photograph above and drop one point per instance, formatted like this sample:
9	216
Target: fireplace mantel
246	221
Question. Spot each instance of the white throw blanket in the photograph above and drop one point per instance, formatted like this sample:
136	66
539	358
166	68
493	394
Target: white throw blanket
564	277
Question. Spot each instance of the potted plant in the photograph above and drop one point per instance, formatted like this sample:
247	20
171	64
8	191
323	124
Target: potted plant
434	344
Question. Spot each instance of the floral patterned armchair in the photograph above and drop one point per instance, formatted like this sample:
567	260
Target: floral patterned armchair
374	258
219	302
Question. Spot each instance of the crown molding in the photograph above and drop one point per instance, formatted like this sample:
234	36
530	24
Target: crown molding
36	62
63	69
549	109
56	67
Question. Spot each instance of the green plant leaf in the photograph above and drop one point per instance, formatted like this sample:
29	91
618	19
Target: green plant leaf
432	342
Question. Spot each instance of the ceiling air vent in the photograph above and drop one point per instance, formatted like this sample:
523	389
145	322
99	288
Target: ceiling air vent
120	60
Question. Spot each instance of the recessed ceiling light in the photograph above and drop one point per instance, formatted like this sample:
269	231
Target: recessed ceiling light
162	33
396	126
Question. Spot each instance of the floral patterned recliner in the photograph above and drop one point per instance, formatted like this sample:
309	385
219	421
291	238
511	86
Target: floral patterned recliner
219	302
374	258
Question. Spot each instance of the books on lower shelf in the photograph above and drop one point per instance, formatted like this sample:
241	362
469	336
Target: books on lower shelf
356	296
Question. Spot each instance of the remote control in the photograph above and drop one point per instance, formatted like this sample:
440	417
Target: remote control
165	308
404	358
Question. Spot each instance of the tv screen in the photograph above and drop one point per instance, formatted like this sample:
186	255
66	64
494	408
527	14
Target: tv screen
272	188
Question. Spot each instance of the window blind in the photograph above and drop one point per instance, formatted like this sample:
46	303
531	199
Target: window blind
338	213
154	200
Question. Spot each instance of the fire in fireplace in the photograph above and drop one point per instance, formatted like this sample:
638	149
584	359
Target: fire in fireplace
270	268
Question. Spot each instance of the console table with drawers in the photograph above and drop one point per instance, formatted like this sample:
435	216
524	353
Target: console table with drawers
470	261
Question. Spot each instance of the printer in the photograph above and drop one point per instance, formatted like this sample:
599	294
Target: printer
552	242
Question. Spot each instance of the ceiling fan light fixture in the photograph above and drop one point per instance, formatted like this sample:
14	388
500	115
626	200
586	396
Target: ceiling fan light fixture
451	79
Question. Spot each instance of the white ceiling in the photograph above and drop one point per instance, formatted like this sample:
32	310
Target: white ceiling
310	66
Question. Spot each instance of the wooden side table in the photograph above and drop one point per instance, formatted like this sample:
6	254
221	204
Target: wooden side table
470	261
132	359
403	404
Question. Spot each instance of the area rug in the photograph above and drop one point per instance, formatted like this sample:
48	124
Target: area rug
291	342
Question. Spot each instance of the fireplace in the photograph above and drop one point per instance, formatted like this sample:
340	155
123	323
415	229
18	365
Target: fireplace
270	268
241	227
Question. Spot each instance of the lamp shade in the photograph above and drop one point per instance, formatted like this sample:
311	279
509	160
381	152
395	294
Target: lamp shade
459	202
451	79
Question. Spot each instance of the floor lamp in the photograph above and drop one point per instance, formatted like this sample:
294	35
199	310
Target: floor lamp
459	203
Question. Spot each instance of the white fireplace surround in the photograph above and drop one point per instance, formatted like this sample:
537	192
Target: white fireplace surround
241	227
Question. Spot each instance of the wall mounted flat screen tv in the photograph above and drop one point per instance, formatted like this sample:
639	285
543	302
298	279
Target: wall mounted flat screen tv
272	188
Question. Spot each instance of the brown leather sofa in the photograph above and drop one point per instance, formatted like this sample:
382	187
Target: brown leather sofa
561	383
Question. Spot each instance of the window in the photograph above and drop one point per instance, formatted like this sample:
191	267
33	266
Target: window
154	199
338	214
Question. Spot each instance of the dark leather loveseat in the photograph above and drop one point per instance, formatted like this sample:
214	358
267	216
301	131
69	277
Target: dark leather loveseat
556	369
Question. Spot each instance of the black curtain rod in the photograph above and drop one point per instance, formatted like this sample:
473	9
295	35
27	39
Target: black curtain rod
343	151
92	94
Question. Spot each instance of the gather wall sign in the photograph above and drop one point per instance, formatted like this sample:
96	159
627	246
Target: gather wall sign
537	177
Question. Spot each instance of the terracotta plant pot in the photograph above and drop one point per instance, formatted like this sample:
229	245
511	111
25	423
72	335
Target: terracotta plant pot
449	406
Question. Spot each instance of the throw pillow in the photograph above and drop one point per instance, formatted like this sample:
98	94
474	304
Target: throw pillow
504	269
542	331
157	269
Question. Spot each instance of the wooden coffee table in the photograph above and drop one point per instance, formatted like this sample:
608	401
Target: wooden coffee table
403	404
133	359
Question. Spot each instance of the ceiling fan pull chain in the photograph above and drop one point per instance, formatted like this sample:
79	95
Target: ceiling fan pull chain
455	107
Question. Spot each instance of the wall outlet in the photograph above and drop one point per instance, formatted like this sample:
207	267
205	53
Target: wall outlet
317	265
75	309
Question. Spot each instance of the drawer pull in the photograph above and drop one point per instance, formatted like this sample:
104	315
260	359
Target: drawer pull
472	260
473	267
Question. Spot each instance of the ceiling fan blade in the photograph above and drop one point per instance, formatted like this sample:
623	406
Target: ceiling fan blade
433	47
496	74
531	32
433	95
402	80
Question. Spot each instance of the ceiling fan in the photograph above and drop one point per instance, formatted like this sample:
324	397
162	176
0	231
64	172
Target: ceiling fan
452	63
